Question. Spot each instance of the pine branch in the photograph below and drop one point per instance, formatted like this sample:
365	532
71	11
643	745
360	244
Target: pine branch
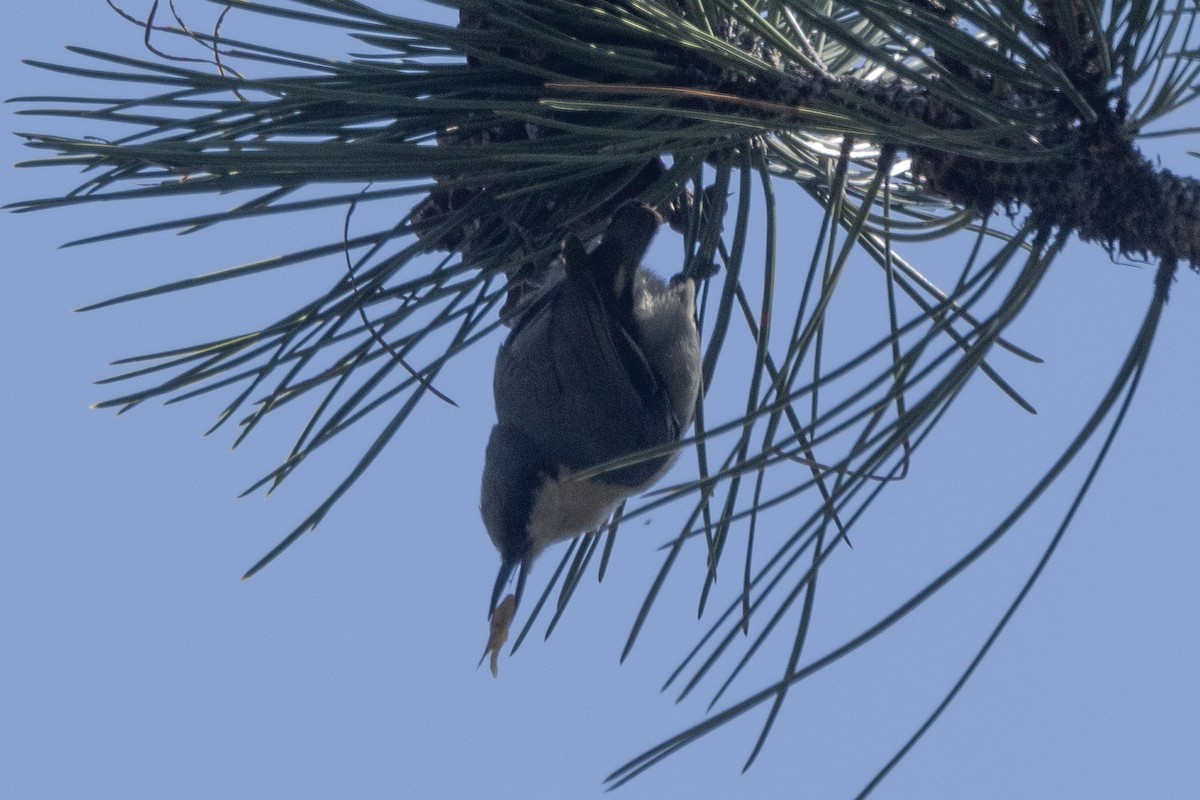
1088	178
1066	152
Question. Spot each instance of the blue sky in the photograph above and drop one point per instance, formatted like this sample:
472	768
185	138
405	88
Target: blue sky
135	664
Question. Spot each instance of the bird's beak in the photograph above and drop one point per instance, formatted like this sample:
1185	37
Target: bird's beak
506	570
502	612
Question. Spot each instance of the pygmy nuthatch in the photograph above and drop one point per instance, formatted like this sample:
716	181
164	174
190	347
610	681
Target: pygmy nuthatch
603	365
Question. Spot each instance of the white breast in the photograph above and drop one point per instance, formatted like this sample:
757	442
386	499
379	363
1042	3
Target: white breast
564	507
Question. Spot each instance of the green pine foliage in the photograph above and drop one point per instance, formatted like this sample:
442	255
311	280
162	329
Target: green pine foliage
505	124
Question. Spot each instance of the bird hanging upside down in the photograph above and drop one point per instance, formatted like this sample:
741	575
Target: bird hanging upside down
605	364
